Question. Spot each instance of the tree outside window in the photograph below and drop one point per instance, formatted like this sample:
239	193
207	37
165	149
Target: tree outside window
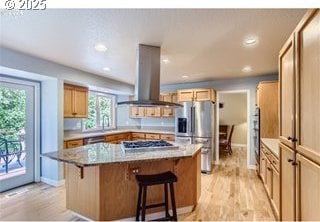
101	112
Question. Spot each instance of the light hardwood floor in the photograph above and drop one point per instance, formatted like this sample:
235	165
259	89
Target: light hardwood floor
231	192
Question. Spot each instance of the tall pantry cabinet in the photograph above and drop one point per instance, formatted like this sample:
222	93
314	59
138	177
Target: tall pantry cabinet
299	68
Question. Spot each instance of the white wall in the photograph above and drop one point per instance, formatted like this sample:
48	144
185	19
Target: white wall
234	112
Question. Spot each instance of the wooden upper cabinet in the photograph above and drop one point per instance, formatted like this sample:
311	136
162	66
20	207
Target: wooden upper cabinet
267	92
308	86
287	92
187	95
75	101
137	112
308	190
153	111
287	192
68	101
169	97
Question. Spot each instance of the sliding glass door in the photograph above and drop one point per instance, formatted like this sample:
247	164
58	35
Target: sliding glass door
19	111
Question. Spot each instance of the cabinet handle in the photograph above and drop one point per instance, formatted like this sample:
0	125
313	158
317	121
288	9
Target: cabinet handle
289	138
294	164
290	160
74	113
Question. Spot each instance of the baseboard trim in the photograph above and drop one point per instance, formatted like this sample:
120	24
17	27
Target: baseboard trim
238	145
55	183
152	216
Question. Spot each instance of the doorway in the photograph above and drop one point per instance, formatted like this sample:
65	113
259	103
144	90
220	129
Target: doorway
233	118
19	132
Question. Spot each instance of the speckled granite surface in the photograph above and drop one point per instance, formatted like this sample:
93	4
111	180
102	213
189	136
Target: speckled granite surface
106	153
272	144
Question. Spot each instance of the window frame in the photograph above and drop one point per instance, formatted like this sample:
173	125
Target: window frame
113	98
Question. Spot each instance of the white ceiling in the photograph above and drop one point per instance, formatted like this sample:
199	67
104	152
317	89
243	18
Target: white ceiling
205	44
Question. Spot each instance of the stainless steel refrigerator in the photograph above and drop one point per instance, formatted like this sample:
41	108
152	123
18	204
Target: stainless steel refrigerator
195	124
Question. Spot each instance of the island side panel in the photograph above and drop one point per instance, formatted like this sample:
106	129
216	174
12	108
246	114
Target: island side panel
119	189
188	187
83	194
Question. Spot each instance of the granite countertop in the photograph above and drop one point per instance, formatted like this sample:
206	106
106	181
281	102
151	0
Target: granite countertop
75	136
272	144
106	153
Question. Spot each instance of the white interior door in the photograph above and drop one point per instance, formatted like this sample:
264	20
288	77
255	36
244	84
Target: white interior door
18	132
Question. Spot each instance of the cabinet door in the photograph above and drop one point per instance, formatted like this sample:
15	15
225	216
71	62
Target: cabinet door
287	186
185	95
68	101
308	86
137	112
269	178
268	104
308	190
287	79
202	94
263	167
81	102
167	112
276	189
134	112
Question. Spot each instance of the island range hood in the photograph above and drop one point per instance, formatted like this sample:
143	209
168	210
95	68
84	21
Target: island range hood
147	87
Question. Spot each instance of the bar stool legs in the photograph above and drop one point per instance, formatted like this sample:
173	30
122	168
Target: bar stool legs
173	203
141	204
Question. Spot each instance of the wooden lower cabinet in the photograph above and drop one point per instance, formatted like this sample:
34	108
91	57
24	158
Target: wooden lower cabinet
152	136
308	190
269	178
167	137
74	143
276	190
263	167
138	136
287	181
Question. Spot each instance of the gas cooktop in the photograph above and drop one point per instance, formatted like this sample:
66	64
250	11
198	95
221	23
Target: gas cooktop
146	145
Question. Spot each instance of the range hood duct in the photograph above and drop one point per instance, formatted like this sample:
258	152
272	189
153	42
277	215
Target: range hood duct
147	86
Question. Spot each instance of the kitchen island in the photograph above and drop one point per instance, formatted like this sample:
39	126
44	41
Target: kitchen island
101	185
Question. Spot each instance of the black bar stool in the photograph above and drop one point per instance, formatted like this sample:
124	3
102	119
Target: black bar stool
167	178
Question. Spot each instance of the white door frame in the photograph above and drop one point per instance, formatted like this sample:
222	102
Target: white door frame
247	91
36	86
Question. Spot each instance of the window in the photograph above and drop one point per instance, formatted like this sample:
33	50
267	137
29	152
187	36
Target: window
101	112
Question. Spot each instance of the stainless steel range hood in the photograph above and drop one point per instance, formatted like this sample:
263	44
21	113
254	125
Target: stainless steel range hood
147	87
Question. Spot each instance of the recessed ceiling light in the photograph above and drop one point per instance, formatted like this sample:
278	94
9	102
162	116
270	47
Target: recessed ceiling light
106	69
100	47
247	69
250	41
165	61
185	76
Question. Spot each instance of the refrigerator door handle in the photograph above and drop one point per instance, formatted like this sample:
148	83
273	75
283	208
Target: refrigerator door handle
193	112
191	124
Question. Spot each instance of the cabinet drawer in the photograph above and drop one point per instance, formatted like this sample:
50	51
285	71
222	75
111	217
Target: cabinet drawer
168	137
137	136
275	162
152	136
115	137
74	143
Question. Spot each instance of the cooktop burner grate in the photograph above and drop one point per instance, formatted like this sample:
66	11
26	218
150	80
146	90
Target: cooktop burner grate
146	145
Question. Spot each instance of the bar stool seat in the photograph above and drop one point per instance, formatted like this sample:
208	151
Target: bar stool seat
166	178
